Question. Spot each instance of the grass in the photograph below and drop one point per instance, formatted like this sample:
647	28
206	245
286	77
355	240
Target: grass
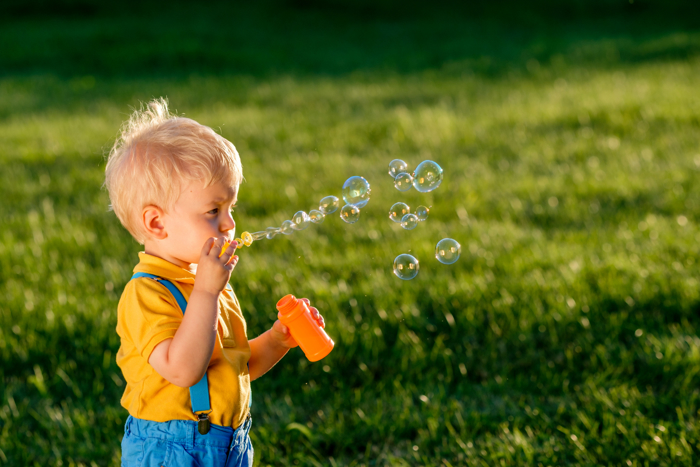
566	334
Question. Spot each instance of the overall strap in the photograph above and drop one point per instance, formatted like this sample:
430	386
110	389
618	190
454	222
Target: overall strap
199	393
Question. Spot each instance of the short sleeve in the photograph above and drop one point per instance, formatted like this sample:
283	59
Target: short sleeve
148	315
233	318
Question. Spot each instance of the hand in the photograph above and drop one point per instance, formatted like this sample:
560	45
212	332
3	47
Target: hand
281	334
214	271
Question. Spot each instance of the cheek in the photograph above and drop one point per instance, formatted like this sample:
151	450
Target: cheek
204	229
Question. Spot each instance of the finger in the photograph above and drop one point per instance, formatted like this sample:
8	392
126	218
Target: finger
218	245
305	300
207	246
227	253
232	262
317	316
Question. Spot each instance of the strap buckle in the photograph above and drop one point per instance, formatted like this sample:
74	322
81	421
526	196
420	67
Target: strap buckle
203	423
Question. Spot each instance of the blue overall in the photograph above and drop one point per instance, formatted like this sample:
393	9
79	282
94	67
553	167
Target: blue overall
178	443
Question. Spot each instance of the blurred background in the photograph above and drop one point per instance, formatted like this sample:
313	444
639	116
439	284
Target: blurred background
566	334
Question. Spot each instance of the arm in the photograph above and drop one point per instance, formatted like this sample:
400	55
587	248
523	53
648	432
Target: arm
269	347
184	359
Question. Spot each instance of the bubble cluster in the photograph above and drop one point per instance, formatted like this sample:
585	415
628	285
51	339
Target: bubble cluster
401	214
406	267
447	251
403	180
427	176
356	191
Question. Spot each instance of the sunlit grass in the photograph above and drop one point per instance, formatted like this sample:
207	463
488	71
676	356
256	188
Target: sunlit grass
565	334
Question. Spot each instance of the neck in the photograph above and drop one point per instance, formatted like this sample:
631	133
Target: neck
153	250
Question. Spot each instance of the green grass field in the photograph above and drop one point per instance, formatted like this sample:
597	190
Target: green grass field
567	333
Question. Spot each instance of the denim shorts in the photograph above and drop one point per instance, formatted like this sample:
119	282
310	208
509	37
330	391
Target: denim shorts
177	443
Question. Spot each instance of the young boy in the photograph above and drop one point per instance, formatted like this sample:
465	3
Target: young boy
173	184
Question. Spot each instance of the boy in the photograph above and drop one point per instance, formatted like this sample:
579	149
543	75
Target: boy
173	184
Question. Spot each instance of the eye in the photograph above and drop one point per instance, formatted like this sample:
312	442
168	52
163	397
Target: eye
213	211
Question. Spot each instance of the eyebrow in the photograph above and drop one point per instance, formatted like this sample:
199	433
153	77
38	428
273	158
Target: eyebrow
222	199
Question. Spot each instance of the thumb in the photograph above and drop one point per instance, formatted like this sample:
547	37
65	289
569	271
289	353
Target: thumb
279	327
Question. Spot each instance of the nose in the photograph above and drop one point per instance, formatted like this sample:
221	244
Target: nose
228	223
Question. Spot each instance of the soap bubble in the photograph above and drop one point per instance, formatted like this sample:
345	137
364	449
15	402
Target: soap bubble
350	213
259	235
356	191
422	213
409	221
405	267
328	205
316	216
447	251
300	220
396	167
397	211
287	227
403	181
427	177
247	238
271	232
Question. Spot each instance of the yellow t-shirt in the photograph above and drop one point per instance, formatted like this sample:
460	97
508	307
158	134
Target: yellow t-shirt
147	315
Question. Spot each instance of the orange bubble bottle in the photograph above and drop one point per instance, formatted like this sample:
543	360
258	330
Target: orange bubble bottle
311	337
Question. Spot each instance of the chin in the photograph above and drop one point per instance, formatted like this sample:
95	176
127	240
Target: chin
194	259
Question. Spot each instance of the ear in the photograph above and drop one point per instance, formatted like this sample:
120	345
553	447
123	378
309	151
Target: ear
152	218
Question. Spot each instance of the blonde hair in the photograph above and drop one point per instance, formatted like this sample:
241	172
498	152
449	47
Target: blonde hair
156	155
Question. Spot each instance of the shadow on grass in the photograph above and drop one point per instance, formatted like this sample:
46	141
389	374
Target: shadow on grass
309	37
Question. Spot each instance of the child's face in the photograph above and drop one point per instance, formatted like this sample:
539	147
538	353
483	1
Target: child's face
199	213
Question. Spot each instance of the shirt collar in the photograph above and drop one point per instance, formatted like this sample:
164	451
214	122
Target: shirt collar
159	267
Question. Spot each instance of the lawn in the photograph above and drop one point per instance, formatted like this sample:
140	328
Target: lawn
567	332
